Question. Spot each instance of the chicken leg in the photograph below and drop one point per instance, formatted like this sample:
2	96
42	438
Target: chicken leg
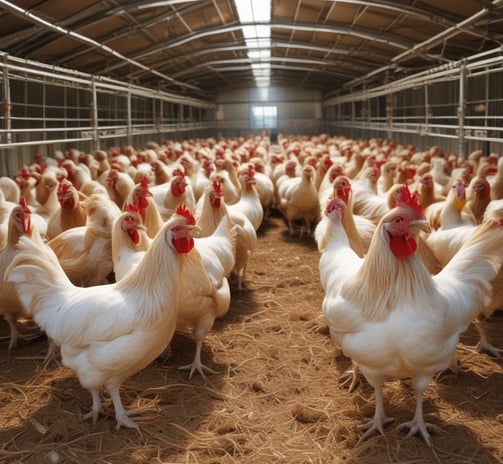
417	424
199	333
197	365
97	408
353	375
14	332
121	415
376	424
484	345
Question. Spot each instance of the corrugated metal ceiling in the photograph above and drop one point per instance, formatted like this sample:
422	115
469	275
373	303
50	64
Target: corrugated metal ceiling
197	48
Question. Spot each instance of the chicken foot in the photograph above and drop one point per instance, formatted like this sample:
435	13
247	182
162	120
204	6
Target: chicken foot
121	415
97	407
52	350
14	332
376	424
197	365
484	345
417	424
351	375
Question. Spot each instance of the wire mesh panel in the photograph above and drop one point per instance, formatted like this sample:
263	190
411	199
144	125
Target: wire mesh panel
458	107
47	109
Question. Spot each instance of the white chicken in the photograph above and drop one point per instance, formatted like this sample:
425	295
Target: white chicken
85	252
47	195
496	181
366	201
130	241
212	210
71	213
227	175
446	243
109	332
205	288
249	204
10	189
118	185
326	185
202	177
179	192
452	211
298	201
19	224
390	315
141	196
264	185
287	170
359	229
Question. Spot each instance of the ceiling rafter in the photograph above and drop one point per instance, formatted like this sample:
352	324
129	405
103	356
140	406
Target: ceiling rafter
340	28
313	44
370	57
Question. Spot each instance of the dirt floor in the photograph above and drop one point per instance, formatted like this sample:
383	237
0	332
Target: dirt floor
277	396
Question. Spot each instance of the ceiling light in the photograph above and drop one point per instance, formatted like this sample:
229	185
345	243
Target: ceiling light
257	36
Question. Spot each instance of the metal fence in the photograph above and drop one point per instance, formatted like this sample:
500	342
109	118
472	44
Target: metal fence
457	106
46	108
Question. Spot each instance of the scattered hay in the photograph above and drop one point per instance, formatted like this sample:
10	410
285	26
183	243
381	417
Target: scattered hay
276	398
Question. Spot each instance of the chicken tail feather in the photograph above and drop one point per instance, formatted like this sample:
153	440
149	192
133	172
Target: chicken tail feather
35	271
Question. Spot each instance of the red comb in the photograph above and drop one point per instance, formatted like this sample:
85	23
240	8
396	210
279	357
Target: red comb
182	210
22	202
180	171
217	187
64	186
405	198
131	208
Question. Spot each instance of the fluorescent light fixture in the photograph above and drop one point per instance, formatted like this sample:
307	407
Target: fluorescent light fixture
259	54
257	36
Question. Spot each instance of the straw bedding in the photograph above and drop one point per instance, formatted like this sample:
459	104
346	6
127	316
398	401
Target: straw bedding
277	396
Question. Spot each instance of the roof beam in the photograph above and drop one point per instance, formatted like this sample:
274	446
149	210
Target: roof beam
367	57
25	14
339	28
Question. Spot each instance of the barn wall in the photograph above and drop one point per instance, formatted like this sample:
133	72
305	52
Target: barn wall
298	111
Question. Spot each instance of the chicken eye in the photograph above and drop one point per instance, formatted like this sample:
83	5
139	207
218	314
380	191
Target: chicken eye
398	219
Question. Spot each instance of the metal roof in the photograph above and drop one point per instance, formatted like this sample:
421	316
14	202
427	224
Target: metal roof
197	48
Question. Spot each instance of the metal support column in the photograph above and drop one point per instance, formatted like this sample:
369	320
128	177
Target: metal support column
462	110
129	131
6	109
94	115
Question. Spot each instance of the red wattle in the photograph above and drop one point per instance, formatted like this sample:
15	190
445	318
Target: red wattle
402	246
184	244
134	236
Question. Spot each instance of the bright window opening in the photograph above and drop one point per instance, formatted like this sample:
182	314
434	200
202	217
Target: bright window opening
264	117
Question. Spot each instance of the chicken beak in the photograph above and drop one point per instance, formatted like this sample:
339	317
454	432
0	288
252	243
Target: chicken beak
421	224
195	231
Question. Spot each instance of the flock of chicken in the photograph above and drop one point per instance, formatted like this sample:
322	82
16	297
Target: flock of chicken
110	253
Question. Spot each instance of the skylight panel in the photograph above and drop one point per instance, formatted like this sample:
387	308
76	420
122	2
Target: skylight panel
257	36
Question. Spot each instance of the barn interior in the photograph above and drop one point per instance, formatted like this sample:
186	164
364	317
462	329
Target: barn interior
95	74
